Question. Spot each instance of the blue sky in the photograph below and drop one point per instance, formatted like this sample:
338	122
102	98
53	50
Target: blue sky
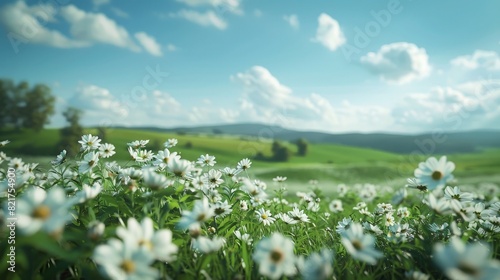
337	66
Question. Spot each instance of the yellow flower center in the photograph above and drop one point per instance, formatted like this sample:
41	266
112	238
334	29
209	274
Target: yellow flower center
201	217
264	216
128	266
357	244
41	212
437	175
468	269
146	243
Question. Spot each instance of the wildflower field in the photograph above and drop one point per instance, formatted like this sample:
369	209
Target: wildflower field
161	216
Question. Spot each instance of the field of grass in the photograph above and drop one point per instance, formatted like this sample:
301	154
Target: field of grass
329	164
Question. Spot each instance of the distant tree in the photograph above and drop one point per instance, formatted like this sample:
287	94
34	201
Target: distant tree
217	131
280	152
301	147
189	145
23	107
72	133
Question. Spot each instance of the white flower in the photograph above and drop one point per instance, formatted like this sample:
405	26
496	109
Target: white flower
433	173
456	198
87	193
440	206
213	178
154	180
399	196
4	143
202	211
416	275
344	225
336	206
206	245
16	163
180	167
40	210
265	216
243	237
95	230
221	209
206	160
244	164
466	261
359	245
275	257
372	228
106	150
89	161
243	205
163	158
298	215
124	260
143	155
60	158
170	143
414	183
318	265
89	142
279	179
158	243
138	144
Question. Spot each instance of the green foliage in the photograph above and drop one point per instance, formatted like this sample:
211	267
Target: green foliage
25	107
70	134
280	152
301	147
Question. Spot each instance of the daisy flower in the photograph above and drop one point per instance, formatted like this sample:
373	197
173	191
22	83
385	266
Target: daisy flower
180	167
89	143
439	205
279	179
95	230
206	160
170	143
213	178
40	210
106	150
164	157
456	198
344	225
61	157
124	260
359	245
298	215
265	216
137	144
318	265
89	161
206	245
154	180
158	243
4	143
466	261
275	257
202	211
222	209
336	206
16	163
87	193
244	164
243	237
433	173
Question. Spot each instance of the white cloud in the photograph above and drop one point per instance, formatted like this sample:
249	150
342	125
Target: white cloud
96	28
233	6
488	60
172	48
99	3
26	24
265	99
472	105
149	43
293	20
209	18
257	13
398	63
329	33
119	12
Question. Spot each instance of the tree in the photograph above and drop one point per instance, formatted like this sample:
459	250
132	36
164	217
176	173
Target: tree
280	152
72	133
23	107
301	147
102	134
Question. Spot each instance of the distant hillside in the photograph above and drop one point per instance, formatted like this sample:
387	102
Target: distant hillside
447	143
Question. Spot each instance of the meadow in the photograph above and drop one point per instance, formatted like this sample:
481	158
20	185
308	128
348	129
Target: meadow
162	209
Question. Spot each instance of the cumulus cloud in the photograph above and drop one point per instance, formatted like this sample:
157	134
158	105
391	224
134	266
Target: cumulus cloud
471	105
119	12
149	43
398	63
208	18
329	33
27	24
96	28
292	20
233	6
265	99
488	60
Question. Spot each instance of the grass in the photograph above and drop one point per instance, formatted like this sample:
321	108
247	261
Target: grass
328	163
